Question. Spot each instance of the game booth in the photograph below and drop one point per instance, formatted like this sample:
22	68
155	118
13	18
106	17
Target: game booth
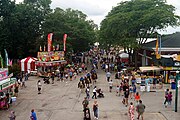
49	62
6	85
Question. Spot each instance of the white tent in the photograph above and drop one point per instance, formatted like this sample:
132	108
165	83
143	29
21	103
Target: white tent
124	55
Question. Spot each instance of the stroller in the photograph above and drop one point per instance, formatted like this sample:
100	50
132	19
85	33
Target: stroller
46	80
100	93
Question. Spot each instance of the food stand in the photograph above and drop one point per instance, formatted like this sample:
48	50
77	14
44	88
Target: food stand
147	79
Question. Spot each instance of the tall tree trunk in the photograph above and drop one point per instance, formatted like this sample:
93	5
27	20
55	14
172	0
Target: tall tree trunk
135	58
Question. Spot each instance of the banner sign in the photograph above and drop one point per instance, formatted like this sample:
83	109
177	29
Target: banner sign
10	82
3	74
64	41
50	56
50	41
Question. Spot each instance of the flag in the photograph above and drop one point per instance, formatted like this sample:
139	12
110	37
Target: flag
158	56
157	46
10	62
6	57
40	48
64	41
53	48
50	41
1	59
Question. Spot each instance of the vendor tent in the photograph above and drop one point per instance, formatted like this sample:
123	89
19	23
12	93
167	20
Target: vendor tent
28	64
124	55
149	68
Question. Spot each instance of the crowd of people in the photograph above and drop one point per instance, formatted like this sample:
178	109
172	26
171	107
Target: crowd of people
123	84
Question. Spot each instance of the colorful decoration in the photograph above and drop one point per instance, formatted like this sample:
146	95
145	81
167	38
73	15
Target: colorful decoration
50	56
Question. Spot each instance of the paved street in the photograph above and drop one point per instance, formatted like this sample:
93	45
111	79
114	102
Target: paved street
63	101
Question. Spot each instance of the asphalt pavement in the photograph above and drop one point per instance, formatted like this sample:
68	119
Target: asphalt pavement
63	101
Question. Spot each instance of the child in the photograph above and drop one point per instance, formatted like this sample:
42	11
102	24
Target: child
110	85
75	75
130	91
66	76
117	90
137	97
169	98
121	89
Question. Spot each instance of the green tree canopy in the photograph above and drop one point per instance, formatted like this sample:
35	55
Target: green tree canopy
137	19
21	26
73	23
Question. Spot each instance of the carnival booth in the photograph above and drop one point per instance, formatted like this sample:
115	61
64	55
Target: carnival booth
49	61
6	85
28	64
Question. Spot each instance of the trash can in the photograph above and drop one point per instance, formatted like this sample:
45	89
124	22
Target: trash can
142	88
173	85
148	87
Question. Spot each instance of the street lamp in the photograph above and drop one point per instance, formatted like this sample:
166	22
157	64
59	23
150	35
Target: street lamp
176	97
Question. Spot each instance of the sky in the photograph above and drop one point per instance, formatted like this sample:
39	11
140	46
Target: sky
96	10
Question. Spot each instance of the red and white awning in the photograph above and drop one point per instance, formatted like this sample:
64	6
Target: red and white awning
28	64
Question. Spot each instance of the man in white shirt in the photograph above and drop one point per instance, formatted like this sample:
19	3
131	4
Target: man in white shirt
108	75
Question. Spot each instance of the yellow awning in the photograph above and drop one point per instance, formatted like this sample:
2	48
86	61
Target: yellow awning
149	68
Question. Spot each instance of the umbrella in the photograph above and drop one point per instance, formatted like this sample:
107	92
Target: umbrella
68	65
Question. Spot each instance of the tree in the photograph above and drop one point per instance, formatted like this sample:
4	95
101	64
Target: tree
138	19
73	23
21	25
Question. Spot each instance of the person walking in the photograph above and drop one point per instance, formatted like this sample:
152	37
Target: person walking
169	98
140	109
12	116
131	111
110	86
126	96
137	97
23	83
94	93
85	103
39	86
88	93
130	91
16	90
33	115
52	77
166	97
87	115
108	75
95	109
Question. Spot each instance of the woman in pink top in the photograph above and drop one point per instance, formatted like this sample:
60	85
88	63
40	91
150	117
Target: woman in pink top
131	111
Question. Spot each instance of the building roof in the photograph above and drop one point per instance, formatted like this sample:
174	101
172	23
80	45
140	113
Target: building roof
167	42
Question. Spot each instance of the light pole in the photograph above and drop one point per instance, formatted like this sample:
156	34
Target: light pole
176	97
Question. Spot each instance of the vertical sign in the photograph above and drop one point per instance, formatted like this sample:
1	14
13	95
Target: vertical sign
50	41
64	41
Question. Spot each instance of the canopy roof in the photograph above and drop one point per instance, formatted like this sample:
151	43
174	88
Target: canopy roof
149	68
169	42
